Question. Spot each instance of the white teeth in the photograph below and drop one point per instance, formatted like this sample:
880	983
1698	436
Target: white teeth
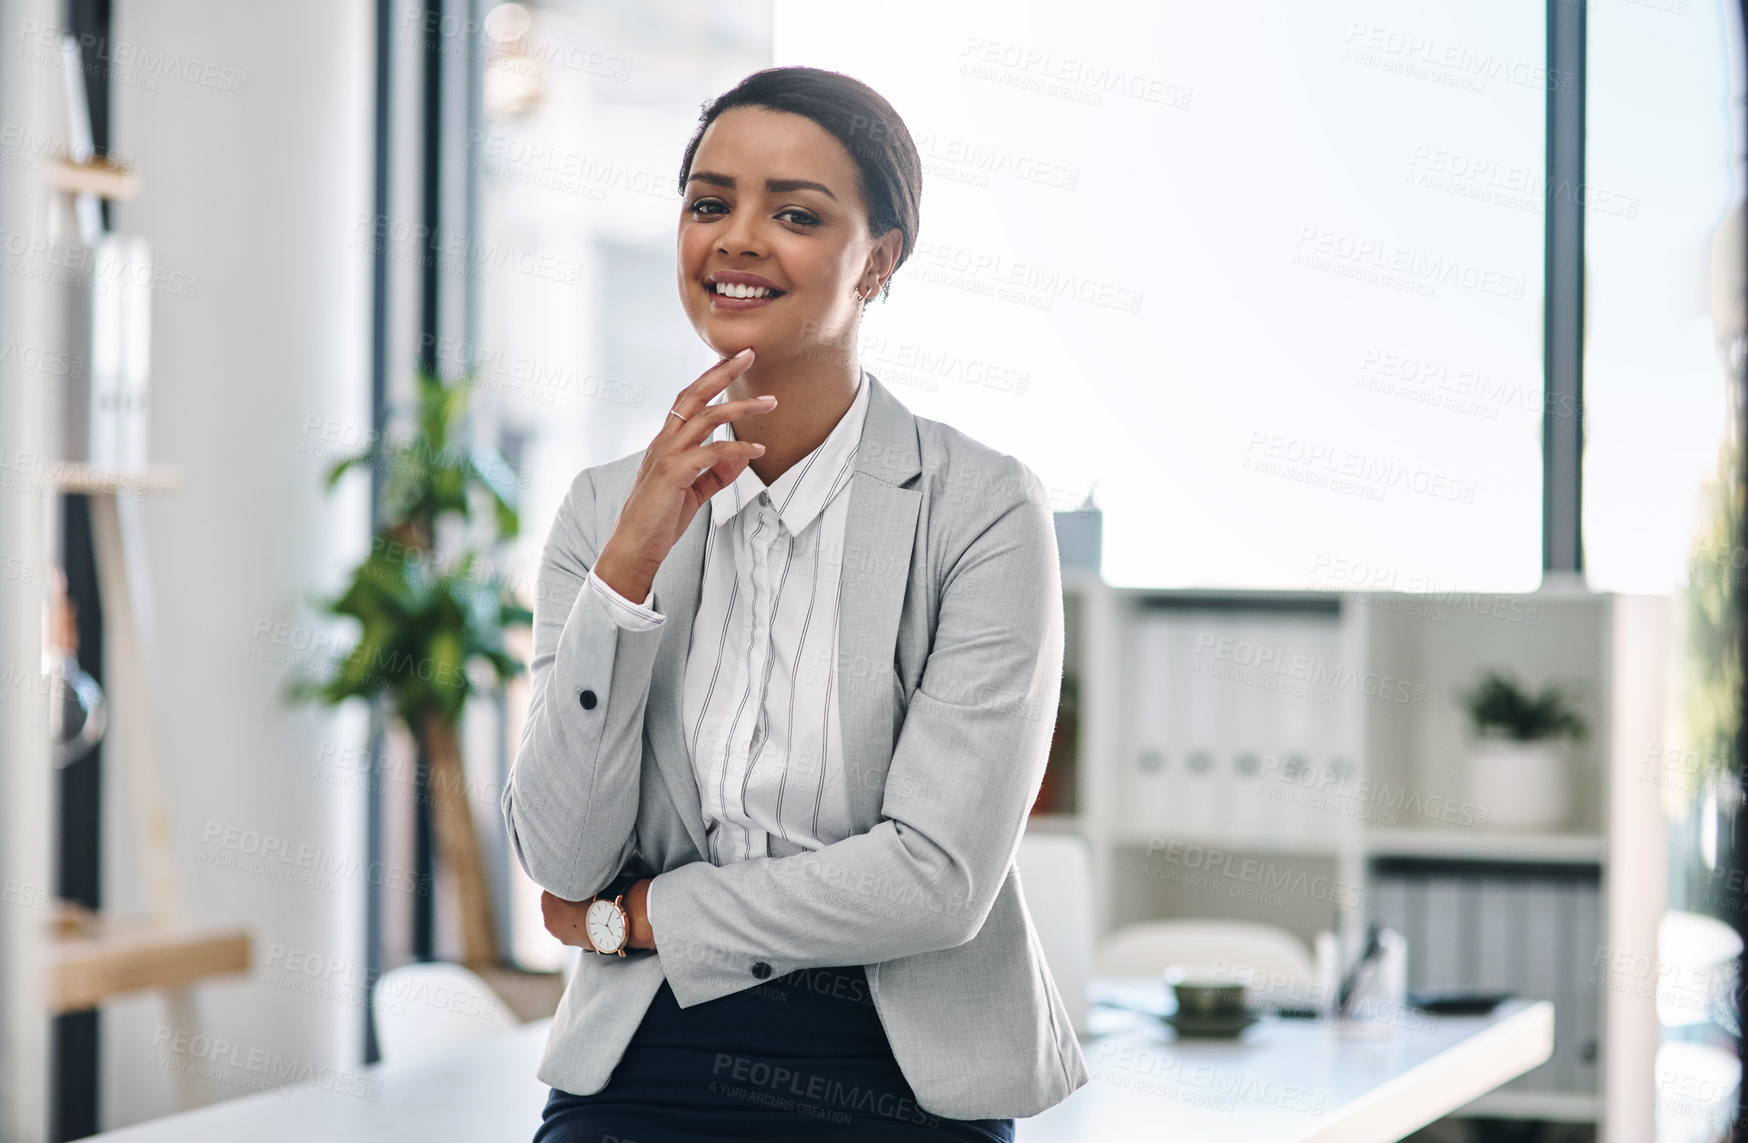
729	289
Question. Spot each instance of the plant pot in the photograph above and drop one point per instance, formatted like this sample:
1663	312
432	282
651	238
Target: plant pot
1521	785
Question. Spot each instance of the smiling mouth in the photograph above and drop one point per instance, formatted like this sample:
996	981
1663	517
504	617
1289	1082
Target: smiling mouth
734	290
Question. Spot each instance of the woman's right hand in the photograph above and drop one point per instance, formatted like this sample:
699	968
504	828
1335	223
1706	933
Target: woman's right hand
678	474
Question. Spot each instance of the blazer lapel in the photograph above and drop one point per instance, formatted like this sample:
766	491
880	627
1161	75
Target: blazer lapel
879	531
677	584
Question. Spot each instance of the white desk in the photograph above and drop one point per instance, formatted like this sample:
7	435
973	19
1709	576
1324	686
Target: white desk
1146	1086
1291	1081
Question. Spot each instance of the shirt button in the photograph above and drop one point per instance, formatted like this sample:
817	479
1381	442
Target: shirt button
587	698
761	970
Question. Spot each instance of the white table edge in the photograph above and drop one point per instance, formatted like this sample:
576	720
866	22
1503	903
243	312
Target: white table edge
1467	1070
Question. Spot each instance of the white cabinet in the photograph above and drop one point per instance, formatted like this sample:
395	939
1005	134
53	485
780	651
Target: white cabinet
1263	755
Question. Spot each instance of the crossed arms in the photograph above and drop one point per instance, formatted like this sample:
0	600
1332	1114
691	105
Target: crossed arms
964	772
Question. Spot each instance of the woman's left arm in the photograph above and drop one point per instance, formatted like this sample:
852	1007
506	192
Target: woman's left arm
964	773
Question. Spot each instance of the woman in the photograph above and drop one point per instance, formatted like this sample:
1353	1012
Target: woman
795	674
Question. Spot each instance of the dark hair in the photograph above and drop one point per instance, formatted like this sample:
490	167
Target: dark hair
889	172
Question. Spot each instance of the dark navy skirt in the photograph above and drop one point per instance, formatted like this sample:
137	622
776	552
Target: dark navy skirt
800	1057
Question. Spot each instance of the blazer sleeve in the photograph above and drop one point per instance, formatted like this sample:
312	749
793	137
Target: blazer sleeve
966	768
570	804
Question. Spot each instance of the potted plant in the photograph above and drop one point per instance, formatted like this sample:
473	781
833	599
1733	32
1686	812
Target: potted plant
1518	769
428	620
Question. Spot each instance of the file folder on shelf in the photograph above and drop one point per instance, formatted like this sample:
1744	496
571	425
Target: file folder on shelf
1155	705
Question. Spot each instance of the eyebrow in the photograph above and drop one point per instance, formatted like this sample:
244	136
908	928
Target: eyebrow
775	186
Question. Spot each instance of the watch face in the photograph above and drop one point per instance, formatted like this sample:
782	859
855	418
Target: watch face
605	925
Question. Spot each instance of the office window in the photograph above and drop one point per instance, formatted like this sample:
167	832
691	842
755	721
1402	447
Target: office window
1657	189
1263	280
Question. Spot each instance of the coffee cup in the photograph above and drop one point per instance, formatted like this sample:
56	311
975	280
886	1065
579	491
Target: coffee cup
1210	992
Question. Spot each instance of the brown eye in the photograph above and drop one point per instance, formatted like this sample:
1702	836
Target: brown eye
802	218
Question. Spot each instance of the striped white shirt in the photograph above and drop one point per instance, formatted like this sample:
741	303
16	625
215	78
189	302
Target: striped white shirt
760	703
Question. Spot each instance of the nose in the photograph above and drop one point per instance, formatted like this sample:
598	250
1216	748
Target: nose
740	236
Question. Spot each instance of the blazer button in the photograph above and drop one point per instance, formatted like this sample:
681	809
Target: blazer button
588	700
761	970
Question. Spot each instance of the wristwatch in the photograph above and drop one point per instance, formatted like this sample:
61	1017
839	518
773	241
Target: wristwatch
606	921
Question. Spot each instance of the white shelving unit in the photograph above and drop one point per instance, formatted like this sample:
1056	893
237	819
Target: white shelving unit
1437	644
93	958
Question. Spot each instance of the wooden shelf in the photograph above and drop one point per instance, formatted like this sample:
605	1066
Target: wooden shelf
1488	845
112	957
100	177
90	479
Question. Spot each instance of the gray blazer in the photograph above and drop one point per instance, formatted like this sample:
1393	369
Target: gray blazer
949	660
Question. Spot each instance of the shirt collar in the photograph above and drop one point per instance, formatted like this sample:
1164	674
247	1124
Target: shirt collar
805	486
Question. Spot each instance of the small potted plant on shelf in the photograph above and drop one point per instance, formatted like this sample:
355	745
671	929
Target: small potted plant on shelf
1519	772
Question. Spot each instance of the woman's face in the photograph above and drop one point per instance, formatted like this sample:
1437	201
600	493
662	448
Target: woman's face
772	200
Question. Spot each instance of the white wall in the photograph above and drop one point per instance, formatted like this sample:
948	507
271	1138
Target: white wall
255	175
